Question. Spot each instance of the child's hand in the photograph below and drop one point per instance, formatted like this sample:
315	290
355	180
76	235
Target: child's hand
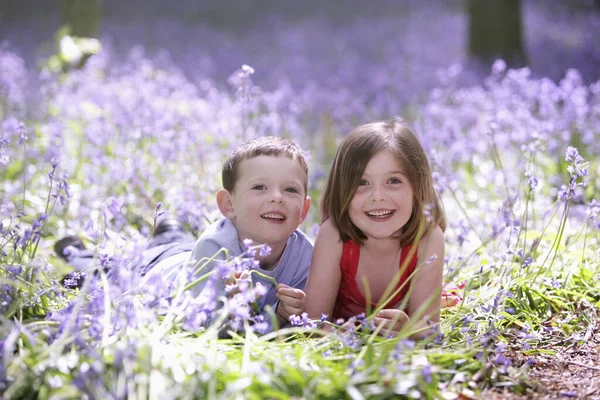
393	320
450	296
291	301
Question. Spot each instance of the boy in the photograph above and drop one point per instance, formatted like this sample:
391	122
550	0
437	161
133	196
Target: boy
264	199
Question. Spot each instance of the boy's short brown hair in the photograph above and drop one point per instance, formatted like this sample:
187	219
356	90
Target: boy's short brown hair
262	146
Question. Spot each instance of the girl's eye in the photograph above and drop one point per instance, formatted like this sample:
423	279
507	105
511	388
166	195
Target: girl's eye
394	181
363	182
259	187
291	190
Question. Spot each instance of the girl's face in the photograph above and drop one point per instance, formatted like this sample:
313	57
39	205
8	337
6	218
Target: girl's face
383	201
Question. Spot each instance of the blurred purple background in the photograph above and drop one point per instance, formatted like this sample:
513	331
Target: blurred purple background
341	43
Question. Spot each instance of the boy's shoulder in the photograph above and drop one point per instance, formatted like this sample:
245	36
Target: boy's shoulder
298	251
301	239
219	234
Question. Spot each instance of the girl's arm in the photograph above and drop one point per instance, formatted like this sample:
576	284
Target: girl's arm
425	299
325	273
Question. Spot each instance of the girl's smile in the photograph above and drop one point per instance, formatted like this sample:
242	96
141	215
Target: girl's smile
380	214
383	201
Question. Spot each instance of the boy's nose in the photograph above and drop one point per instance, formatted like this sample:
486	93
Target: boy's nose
276	196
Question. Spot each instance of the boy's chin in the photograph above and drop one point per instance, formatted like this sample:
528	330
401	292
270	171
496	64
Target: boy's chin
272	240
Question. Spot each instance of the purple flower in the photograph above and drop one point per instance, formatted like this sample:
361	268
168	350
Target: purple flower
427	374
427	212
4	155
74	279
593	209
22	132
532	180
265	250
250	250
572	155
570	393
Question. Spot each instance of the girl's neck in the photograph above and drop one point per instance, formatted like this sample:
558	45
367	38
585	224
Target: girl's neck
381	246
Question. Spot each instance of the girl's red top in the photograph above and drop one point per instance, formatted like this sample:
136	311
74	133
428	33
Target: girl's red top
350	301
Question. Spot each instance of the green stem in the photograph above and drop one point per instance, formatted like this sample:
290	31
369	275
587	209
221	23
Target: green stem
24	173
556	242
197	281
584	241
270	278
499	161
465	213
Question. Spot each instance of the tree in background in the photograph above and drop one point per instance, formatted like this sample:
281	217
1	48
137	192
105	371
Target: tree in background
495	31
82	17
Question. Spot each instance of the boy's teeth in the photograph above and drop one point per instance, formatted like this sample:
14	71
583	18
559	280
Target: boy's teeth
378	213
273	216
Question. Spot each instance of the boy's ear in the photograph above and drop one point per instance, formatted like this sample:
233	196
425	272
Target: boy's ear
225	203
305	208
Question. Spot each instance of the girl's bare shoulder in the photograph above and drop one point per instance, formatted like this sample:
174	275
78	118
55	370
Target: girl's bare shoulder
433	241
329	230
328	238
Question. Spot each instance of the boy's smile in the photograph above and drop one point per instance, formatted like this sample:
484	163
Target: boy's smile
268	202
274	217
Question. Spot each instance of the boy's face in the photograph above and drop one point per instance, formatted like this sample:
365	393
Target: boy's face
268	201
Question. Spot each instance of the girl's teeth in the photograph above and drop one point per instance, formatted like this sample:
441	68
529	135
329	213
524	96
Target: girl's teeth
378	213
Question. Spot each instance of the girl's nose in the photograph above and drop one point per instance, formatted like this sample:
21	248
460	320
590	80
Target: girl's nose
377	194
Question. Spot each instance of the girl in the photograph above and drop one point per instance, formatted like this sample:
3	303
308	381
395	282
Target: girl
381	236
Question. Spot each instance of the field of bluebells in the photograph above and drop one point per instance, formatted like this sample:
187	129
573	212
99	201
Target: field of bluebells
101	150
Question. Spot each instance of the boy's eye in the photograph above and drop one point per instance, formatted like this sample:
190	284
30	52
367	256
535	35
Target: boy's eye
291	190
259	187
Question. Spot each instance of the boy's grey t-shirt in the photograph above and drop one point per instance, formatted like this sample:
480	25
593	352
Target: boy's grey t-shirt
292	268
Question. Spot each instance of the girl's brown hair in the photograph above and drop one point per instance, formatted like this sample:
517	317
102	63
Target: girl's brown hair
351	159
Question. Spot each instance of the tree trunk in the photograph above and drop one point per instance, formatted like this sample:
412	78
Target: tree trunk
495	31
82	16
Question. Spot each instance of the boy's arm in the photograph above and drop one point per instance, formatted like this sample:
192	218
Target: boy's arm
292	279
204	249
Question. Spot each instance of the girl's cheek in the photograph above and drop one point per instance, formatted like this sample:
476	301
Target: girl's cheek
361	192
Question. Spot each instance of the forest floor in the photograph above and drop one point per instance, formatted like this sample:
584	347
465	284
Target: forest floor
572	372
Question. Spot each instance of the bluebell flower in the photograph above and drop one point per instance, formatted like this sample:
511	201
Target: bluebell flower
569	393
265	250
22	132
572	155
427	374
531	180
248	244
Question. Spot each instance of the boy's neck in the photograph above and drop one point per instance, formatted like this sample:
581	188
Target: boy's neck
271	261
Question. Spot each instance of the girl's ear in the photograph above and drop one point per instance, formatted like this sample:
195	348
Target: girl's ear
305	208
225	203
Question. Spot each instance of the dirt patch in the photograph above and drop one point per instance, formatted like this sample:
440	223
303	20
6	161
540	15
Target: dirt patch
573	372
